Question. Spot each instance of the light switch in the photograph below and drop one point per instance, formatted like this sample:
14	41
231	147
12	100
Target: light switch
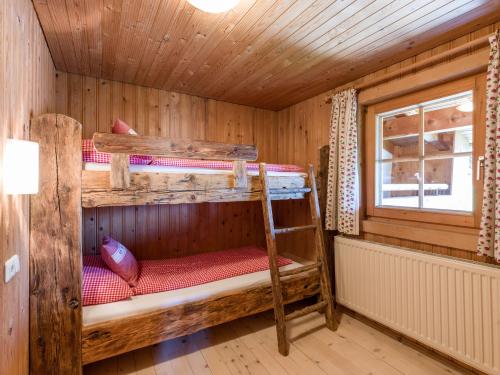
12	266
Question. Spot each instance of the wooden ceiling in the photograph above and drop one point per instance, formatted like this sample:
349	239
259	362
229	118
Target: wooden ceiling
264	53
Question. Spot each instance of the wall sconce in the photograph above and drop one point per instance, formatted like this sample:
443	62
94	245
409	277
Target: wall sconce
20	167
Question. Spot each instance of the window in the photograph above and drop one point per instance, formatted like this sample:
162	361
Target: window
424	155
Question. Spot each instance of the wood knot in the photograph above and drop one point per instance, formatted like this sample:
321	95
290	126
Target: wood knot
40	341
74	303
98	334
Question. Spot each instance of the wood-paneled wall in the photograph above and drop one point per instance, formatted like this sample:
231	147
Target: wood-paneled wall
305	128
27	79
164	231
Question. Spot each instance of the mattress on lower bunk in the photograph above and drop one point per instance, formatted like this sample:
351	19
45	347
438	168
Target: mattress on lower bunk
223	282
95	160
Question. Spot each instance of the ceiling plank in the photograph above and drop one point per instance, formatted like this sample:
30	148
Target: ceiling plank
376	59
264	53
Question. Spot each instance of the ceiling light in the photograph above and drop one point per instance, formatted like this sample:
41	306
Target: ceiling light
466	107
214	6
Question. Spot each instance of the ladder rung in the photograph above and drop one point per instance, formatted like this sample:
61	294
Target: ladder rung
306	310
298	270
294	229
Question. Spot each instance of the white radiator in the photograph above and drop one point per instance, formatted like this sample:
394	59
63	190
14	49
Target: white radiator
447	304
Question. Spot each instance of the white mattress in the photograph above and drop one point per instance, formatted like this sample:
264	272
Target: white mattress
162	169
150	302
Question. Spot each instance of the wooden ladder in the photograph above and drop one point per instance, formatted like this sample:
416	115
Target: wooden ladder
325	300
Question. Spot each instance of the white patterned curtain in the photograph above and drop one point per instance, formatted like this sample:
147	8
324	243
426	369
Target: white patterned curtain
342	205
489	235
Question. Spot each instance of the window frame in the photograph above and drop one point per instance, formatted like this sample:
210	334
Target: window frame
477	85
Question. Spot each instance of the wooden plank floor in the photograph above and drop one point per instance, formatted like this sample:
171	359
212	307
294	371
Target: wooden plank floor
249	346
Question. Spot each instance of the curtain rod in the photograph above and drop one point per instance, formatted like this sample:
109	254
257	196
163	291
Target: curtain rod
475	44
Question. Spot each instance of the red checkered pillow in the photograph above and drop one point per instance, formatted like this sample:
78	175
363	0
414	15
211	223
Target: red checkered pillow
100	284
169	274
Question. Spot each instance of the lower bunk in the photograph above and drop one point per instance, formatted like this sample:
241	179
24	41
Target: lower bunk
239	288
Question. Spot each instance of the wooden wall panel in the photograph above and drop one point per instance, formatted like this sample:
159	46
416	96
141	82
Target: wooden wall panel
164	231
305	128
27	79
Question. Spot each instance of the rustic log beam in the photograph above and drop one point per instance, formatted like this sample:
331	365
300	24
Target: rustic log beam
138	198
173	148
120	174
160	188
107	339
442	119
55	248
240	174
93	181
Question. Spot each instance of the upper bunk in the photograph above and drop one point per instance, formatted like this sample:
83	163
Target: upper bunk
120	183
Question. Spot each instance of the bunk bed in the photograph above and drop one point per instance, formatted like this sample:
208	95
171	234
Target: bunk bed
64	331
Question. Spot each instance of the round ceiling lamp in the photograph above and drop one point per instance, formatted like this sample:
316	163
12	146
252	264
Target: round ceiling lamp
214	6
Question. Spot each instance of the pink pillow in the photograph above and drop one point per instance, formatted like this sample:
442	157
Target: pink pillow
120	260
100	285
121	127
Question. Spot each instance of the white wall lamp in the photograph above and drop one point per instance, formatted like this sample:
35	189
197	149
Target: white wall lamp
20	167
214	6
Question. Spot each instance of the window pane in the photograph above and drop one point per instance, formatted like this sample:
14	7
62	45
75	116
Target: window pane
448	184
400	147
403	123
459	140
448	125
399	184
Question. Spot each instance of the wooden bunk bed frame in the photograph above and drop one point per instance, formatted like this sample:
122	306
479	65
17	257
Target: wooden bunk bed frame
59	343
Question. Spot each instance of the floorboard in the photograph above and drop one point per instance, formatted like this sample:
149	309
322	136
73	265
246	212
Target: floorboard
249	346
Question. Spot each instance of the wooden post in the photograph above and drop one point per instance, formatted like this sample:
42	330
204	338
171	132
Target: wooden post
328	235
120	173
326	290
240	174
55	248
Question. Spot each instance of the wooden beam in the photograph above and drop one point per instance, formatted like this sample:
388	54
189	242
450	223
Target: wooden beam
240	174
158	188
55	248
120	174
107	339
131	198
445	118
172	148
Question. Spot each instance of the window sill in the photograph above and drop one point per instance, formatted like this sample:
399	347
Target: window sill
436	217
434	234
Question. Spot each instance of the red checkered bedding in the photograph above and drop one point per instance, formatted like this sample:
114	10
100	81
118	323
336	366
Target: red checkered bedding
101	285
170	274
91	155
